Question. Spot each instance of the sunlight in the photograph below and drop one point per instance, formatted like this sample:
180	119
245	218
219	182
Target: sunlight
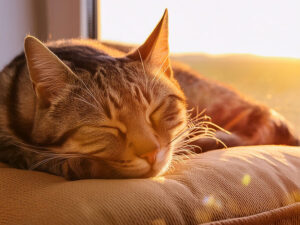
266	28
292	197
202	215
211	202
159	179
246	179
208	200
159	222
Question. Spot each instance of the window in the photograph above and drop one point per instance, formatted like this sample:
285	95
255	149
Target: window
251	45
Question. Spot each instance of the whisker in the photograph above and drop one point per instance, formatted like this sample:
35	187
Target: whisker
90	104
41	151
146	85
198	127
163	63
142	62
87	89
44	161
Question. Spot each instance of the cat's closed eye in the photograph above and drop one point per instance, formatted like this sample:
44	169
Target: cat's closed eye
116	130
167	111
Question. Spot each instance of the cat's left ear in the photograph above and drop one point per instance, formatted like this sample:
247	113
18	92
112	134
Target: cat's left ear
155	50
48	73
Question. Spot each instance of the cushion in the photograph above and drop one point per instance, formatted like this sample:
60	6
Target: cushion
242	185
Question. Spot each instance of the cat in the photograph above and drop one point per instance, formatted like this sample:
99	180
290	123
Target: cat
84	109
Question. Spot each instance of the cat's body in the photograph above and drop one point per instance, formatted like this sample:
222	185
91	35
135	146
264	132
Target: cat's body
55	123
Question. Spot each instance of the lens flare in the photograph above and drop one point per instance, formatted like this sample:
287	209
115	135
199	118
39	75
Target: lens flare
211	201
159	179
159	222
246	179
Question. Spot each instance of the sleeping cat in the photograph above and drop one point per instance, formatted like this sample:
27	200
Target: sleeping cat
82	109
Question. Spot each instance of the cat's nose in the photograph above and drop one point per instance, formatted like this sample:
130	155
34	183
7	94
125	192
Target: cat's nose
150	157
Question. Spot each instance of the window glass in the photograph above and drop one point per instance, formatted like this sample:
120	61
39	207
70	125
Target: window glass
254	45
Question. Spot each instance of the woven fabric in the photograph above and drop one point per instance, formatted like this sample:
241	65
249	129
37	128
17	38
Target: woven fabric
243	185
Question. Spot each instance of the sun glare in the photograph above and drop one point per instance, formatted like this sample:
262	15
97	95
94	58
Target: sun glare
246	179
261	27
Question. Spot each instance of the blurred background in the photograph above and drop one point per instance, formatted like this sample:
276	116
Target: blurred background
251	45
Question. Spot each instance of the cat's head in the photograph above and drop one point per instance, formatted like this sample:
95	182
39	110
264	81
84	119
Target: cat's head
119	119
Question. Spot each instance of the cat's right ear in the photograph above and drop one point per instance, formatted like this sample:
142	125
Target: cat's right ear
47	72
155	50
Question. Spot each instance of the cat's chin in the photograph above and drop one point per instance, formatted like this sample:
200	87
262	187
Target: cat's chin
158	169
144	172
105	170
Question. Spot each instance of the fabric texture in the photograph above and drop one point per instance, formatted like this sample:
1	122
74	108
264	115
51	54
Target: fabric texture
242	185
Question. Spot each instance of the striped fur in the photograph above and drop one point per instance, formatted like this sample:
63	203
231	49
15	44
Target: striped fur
112	104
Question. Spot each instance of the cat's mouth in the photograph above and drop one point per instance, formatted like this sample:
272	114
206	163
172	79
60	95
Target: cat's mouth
140	168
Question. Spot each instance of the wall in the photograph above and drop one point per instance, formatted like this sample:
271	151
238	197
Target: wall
17	19
45	19
64	19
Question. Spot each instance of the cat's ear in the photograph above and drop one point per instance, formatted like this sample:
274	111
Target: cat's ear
155	50
47	72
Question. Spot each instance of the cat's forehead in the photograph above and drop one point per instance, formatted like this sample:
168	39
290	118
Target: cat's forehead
94	60
85	58
121	80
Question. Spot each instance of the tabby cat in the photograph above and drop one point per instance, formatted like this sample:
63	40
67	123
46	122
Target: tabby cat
82	109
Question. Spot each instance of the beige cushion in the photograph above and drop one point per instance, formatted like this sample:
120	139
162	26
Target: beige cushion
244	185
